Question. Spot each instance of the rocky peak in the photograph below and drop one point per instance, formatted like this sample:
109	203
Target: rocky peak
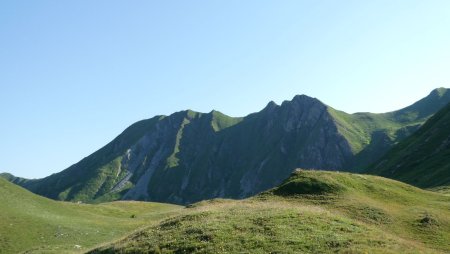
303	103
439	92
304	99
270	107
302	111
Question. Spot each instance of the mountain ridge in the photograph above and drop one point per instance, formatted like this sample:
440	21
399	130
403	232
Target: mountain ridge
190	156
422	158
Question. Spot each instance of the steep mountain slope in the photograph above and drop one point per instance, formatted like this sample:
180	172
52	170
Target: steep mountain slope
423	159
190	156
36	224
311	212
371	135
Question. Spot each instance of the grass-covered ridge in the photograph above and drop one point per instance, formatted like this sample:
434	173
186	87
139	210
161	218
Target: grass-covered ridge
423	159
370	135
34	224
311	212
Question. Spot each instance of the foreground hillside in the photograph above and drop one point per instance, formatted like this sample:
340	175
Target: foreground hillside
189	156
311	212
38	225
423	159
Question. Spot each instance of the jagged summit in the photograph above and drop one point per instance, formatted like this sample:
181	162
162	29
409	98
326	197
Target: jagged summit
271	105
300	99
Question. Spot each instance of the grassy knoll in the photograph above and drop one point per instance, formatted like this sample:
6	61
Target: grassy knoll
311	212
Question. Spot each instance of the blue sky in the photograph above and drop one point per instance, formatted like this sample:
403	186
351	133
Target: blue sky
74	74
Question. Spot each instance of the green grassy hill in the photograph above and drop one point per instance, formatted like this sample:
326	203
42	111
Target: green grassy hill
34	224
423	159
311	212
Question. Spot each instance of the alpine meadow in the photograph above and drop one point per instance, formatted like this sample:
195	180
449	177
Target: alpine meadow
225	127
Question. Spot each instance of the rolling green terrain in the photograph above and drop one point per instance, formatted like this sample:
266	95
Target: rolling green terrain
189	156
311	212
423	159
33	224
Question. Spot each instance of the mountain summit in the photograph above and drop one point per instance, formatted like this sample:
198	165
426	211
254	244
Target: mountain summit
190	156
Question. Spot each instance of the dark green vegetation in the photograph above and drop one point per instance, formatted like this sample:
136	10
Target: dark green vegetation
311	212
34	224
188	156
423	159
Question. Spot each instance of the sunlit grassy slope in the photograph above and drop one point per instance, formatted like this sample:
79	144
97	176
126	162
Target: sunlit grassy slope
311	212
33	224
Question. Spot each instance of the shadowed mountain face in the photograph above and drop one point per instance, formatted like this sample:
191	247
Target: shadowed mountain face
190	156
423	159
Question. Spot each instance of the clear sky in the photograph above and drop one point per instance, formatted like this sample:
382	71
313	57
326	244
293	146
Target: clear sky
74	74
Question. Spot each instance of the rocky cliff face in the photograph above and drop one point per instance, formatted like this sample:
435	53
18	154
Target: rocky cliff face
185	159
190	156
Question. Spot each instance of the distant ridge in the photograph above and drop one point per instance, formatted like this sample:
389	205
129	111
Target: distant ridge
423	159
